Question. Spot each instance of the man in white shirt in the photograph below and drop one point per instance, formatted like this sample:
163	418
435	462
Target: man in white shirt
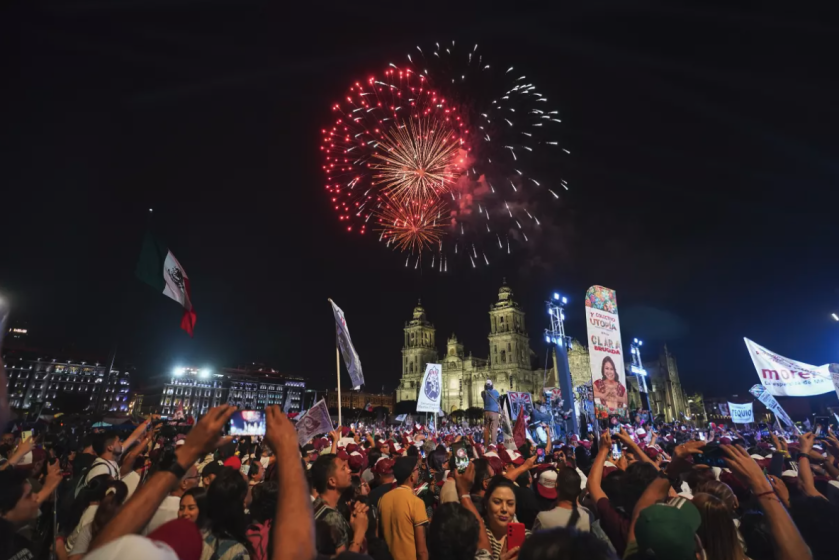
168	510
108	449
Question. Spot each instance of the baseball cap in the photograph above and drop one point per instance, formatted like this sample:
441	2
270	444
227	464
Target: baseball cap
384	466
668	530
178	539
511	456
546	484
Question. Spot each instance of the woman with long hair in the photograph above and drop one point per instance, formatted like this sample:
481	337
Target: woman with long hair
263	507
608	389
567	511
115	493
717	531
227	538
499	511
193	506
84	509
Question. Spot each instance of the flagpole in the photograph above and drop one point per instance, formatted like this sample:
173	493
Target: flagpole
338	371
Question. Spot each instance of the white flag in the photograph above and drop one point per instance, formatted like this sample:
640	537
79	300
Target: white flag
351	358
315	421
783	377
772	404
431	389
741	413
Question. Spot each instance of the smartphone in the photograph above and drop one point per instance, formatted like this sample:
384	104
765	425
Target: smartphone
616	450
461	459
712	455
515	535
247	423
702	436
25	435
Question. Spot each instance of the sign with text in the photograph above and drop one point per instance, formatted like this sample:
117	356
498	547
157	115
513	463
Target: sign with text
761	394
783	377
605	351
741	413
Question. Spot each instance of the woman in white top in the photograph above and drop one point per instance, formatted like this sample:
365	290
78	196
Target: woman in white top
115	495
567	512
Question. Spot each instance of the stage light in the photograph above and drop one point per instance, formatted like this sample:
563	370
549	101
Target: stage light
179	371
564	300
548	339
556	295
204	373
835	316
635	340
640	343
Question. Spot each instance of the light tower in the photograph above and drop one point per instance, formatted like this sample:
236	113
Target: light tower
637	368
561	343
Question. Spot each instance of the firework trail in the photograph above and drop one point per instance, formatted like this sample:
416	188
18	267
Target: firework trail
437	153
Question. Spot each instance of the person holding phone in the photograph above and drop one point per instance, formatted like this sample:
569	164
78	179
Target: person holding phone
499	513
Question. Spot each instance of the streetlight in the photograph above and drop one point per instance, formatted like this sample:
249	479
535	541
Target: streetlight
835	316
637	368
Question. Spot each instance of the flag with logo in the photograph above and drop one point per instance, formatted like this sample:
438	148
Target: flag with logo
351	358
315	421
430	390
770	402
368	407
159	268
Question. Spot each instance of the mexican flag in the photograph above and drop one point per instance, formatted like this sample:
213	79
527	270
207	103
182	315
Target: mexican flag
159	268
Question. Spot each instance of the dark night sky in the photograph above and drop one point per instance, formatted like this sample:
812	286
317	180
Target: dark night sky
703	167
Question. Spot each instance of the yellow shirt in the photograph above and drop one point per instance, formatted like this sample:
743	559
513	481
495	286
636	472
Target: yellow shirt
400	511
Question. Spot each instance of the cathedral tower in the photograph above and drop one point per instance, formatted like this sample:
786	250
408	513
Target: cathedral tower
418	350
508	342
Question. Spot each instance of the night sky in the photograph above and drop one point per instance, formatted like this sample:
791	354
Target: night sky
703	171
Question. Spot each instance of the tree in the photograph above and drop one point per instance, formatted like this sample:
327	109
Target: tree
696	408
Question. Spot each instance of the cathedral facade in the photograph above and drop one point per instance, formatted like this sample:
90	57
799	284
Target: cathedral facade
508	365
464	377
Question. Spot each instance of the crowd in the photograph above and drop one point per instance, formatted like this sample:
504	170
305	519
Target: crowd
641	489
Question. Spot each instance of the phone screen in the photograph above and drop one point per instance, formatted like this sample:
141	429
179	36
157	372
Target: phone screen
616	450
461	459
247	423
702	436
25	435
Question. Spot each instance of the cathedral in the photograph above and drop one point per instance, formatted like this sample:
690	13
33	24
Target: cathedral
508	363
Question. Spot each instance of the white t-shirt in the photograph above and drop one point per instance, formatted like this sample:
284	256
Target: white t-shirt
102	466
559	517
131	480
86	519
167	511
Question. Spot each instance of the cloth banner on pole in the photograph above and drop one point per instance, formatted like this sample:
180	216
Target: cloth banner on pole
608	374
351	359
761	394
431	389
519	402
315	421
783	377
506	428
724	409
834	374
741	413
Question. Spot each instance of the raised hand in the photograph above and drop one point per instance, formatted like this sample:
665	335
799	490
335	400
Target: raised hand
280	434
745	468
206	436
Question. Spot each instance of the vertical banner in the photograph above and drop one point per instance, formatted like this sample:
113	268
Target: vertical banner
741	413
606	352
834	374
430	390
764	396
351	359
519	402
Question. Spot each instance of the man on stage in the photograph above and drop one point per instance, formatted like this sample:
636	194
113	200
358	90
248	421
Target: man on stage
491	410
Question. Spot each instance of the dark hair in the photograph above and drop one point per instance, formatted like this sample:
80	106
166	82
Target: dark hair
757	535
94	491
638	476
437	459
372	456
200	496
481	474
818	521
413	451
453	533
567	544
102	440
568	488
717	531
264	501
226	506
12	484
614	368
253	470
139	462
496	482
108	506
226	451
322	469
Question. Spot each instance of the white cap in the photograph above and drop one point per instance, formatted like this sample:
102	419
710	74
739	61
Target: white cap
133	547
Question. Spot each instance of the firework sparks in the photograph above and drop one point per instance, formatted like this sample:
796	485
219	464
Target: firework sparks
414	227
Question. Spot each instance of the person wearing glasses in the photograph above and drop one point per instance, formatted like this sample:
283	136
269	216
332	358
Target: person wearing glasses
403	515
168	510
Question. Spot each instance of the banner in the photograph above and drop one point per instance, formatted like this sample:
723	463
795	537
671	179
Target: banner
351	358
761	394
430	390
519	401
605	352
724	409
783	377
741	413
834	374
315	421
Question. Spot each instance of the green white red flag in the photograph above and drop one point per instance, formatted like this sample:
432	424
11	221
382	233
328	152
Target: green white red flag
159	268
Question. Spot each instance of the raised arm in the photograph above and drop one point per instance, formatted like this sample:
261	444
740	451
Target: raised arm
635	448
513	474
805	472
463	482
596	475
294	523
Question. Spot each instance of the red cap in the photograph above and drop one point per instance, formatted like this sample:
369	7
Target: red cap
511	456
384	466
546	484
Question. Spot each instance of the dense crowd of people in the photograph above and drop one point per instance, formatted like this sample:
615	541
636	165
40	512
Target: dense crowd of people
637	490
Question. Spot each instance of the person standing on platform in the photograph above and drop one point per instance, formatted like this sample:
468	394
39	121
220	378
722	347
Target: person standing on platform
491	410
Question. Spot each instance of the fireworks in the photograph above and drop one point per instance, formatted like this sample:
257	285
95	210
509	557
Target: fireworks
440	153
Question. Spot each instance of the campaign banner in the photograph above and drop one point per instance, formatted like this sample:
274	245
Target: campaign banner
315	421
606	352
783	377
834	374
351	359
519	402
761	394
431	389
741	413
724	409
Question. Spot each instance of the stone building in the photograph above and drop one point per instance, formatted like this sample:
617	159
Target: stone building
508	364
